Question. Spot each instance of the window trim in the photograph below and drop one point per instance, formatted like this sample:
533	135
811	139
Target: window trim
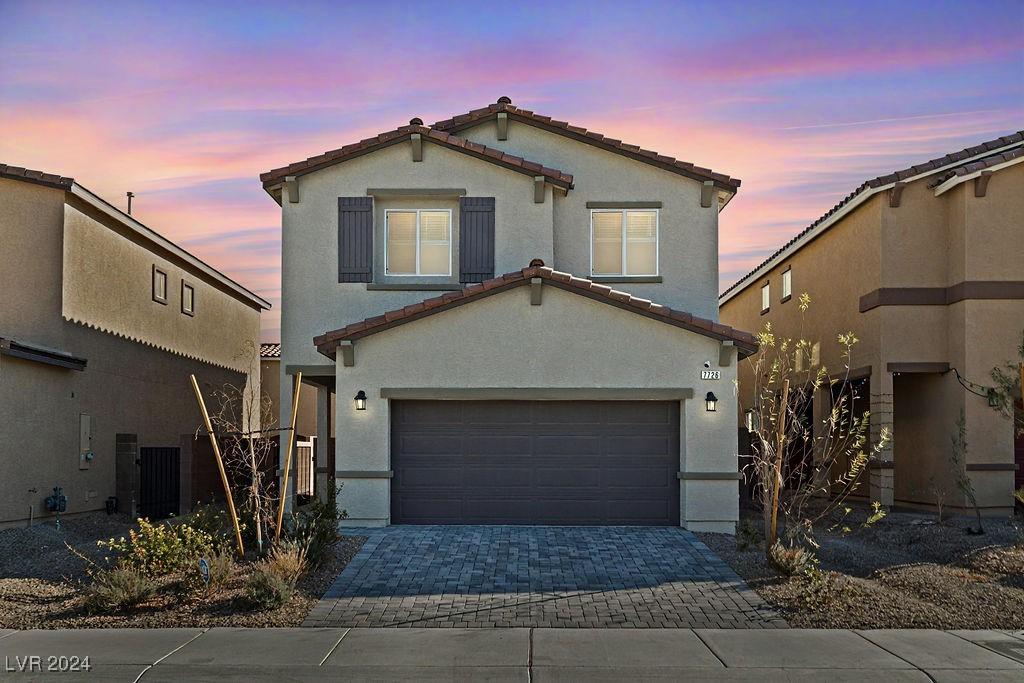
766	286
451	239
657	244
786	297
152	285
184	310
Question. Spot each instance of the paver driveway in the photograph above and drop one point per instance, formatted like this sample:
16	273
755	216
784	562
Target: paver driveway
532	576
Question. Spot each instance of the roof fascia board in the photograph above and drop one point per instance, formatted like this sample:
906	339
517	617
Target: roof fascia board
155	238
861	197
957	179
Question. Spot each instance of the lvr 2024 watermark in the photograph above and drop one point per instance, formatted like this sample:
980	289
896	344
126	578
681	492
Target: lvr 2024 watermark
50	663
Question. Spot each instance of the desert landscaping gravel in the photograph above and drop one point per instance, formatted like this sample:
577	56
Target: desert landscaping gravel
905	572
40	581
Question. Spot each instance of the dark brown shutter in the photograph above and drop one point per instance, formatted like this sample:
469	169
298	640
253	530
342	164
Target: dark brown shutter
355	239
476	239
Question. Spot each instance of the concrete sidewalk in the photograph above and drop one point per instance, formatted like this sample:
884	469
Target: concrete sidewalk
315	654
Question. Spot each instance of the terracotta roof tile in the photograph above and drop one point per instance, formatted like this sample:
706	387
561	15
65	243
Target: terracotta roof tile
472	118
510	161
882	180
980	164
270	350
328	343
37	177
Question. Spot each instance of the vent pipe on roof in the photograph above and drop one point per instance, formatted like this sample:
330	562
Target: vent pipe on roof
130	195
504	99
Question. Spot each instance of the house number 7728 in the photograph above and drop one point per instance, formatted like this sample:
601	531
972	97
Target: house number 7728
711	374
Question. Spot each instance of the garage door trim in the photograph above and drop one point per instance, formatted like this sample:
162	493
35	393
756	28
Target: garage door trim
537	394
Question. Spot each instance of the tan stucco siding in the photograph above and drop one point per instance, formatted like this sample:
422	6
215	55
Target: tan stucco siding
688	239
314	302
270	385
107	284
126	388
567	342
30	262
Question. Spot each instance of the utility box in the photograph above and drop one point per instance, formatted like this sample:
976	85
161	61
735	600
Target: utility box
85	452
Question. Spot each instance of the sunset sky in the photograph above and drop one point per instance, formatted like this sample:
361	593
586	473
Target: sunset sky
186	103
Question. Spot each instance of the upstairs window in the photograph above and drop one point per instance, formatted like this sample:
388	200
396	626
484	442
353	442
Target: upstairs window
188	299
787	284
624	242
766	297
418	242
159	286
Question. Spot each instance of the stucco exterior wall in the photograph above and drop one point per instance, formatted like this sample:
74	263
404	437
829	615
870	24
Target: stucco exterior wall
314	302
127	387
925	242
107	284
688	239
567	342
270	385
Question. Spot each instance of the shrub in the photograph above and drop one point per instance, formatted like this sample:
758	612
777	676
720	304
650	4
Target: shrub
214	520
222	566
790	560
315	528
288	560
160	549
272	581
117	588
747	535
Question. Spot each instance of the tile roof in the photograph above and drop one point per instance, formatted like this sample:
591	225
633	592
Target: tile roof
668	163
328	343
495	156
980	165
883	180
270	350
38	177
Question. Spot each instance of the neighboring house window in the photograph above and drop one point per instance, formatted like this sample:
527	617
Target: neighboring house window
766	297
787	284
418	242
188	299
159	286
624	242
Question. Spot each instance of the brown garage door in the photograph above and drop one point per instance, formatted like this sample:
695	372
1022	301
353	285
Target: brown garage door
535	462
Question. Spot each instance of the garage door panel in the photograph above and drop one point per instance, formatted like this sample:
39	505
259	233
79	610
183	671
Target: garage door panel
543	462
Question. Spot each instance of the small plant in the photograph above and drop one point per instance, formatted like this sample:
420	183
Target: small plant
958	458
1019	495
213	519
117	588
272	581
222	566
819	587
315	528
748	535
790	560
160	549
288	560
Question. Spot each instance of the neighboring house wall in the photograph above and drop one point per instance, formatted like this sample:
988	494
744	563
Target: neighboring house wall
688	232
921	247
569	342
270	385
127	387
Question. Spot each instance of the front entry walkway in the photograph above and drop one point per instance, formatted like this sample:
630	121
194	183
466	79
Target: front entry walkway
534	576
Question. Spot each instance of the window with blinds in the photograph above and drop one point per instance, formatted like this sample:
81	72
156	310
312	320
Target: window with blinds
624	242
418	242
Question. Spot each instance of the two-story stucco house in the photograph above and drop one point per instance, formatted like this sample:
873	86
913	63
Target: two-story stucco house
519	319
102	320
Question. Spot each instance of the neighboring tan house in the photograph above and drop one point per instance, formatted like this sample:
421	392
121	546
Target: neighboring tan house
926	266
557	393
102	320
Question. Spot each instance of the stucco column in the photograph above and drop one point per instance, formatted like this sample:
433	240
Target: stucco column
323	441
881	468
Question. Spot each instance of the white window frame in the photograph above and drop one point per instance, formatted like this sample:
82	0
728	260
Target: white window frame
787	283
387	229
766	297
190	311
622	233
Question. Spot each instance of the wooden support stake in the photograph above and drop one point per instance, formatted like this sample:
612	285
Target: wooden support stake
777	470
288	458
220	465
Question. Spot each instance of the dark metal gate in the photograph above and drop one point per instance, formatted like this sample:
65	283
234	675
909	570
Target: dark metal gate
158	482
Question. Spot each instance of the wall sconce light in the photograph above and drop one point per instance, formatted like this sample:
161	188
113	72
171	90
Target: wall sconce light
993	399
711	401
361	400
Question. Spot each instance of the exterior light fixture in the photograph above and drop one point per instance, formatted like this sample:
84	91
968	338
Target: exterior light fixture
993	399
711	401
361	400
